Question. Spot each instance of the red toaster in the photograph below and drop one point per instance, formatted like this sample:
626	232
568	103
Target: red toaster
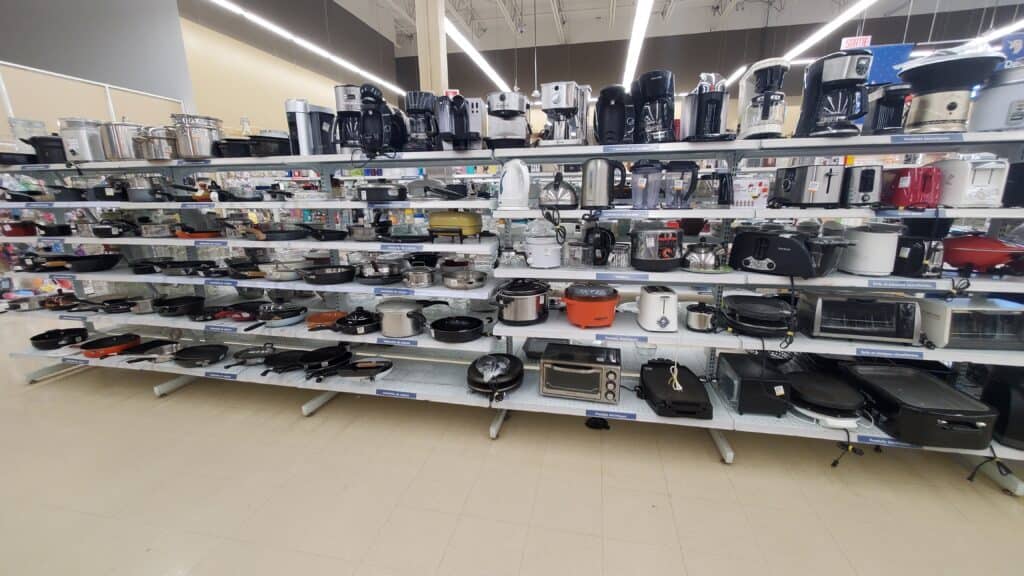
919	187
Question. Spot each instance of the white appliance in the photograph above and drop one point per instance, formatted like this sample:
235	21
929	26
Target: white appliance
826	420
543	252
658	309
762	104
973	182
975	323
1000	102
874	249
514	186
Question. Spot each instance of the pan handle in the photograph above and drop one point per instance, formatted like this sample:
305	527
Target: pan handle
253	326
142	359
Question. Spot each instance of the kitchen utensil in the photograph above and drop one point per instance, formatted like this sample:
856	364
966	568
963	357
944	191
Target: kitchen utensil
463	279
324	320
590	304
495	375
522	302
324	233
109	345
758	315
53	339
252	355
157	143
418	277
53	229
178	305
276	232
273	315
700	317
113	228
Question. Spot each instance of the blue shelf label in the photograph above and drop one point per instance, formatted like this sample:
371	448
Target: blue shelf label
75	361
62	276
393	291
882	441
34	167
201	243
613	214
38	204
192	162
925	138
894	283
220	282
395	393
401	247
197	205
388	204
629	148
611	414
220	328
75	317
623	276
220	375
888	353
621	338
397	341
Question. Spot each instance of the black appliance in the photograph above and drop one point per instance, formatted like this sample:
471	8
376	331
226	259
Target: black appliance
686	397
602	240
752	385
1013	192
614	120
822	396
887	109
705	110
786	254
420	108
915	407
753	315
653	97
349	104
835	94
581	372
382	127
1004	391
918	257
879	319
459	121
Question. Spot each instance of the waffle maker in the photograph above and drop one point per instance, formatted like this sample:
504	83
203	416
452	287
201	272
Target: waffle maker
690	400
758	315
825	399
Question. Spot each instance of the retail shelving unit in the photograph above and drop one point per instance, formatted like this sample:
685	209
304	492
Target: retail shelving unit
429	370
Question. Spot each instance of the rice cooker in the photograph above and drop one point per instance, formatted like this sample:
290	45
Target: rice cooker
543	252
658	309
873	252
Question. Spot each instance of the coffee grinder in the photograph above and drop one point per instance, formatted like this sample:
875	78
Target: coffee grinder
460	122
560	102
613	116
423	132
507	126
835	94
654	105
347	102
705	109
762	105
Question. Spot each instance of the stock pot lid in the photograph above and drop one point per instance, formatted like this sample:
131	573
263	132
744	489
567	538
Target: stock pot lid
359	317
400	305
591	291
524	287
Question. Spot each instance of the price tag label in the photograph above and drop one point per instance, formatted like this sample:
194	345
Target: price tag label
894	283
393	291
882	441
385	205
75	361
192	162
401	247
624	214
925	138
207	243
74	317
34	167
621	338
62	276
220	375
612	148
611	414
395	393
884	353
623	276
397	341
220	328
197	205
38	204
220	282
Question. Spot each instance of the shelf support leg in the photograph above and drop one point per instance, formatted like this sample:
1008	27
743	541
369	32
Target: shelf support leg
1010	483
310	408
722	443
496	424
165	388
53	371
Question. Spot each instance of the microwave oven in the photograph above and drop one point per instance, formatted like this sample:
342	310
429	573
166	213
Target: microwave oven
974	323
581	372
892	320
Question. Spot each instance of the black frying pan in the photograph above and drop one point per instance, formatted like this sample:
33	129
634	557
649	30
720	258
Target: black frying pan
325	234
328	274
326	356
252	355
365	368
178	306
277	234
457	329
200	356
281	362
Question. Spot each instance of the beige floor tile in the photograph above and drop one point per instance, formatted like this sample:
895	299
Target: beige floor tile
710	528
504	492
742	561
232	558
570	501
639	516
443	483
624	558
555	552
412	539
481	546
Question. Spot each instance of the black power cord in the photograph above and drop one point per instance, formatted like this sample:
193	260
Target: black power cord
846	447
1001	466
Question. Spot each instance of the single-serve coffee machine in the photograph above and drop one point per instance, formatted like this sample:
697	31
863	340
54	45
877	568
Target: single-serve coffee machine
349	106
654	105
835	94
762	106
614	120
310	128
460	122
507	126
705	109
423	132
561	104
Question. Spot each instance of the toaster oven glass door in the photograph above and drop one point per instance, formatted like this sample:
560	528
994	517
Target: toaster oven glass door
573	381
874	320
986	330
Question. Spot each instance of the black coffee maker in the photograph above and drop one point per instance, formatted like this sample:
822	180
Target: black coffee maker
835	94
382	127
613	116
423	133
654	106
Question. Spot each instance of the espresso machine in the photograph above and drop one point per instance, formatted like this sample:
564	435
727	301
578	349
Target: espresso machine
423	132
654	102
310	128
560	102
507	126
704	110
835	94
347	102
613	116
762	105
460	122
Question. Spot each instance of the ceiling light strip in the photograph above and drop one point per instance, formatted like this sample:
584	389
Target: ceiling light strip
828	28
306	44
462	42
636	39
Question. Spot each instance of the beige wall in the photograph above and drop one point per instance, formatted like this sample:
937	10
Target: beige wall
231	80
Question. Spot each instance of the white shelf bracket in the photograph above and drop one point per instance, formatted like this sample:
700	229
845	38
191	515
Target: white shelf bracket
1011	483
53	371
165	388
310	408
499	420
722	443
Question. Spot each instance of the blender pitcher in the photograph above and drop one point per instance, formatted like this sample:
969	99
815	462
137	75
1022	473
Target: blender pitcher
646	181
680	183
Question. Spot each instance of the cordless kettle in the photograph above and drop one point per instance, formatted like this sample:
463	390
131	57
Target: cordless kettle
599	182
514	186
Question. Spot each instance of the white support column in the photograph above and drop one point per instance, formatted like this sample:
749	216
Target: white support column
310	408
431	45
165	388
722	443
499	419
53	371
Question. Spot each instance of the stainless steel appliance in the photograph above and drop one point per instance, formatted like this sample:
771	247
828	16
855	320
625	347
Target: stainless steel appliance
658	309
704	256
507	125
705	110
560	102
918	257
862	186
460	122
196	135
599	182
835	94
158	143
807	186
999	105
614	118
300	127
349	106
581	373
877	319
120	140
401	318
653	98
522	302
559	194
420	108
762	103
941	84
975	323
655	249
700	317
752	385
82	140
887	109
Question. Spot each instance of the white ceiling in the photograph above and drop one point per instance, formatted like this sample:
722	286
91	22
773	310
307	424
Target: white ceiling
602	20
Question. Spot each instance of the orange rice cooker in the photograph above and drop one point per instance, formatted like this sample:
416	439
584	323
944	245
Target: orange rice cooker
590	304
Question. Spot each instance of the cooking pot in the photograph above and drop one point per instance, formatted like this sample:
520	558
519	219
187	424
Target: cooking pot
873	251
359	321
119	140
559	195
157	143
700	317
418	277
977	253
522	302
464	279
195	136
454	265
655	249
590	304
402	318
704	256
543	252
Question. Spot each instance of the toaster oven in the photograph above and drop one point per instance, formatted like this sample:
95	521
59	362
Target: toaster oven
880	319
581	372
974	323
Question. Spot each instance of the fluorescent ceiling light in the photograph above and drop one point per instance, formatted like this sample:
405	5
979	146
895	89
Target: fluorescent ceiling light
999	33
801	61
306	44
636	39
736	75
476	57
828	28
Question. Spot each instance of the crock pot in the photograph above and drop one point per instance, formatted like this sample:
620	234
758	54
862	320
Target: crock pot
523	302
543	252
873	252
590	304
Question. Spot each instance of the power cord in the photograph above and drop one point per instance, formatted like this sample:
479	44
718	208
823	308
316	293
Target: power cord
846	447
1001	466
554	217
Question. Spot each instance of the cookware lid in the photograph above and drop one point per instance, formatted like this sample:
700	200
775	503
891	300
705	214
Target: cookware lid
399	305
359	317
825	390
759	307
524	287
950	70
591	291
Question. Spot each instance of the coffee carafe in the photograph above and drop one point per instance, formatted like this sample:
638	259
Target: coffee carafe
423	132
704	110
654	105
613	116
347	102
762	102
835	94
560	101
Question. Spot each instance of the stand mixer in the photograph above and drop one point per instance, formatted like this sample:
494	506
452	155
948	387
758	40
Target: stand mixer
762	102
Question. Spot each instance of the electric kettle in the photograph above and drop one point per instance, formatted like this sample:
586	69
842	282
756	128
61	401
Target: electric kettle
599	182
514	186
559	195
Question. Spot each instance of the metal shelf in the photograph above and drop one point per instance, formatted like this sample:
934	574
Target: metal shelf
623	276
666	151
626	213
326	204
